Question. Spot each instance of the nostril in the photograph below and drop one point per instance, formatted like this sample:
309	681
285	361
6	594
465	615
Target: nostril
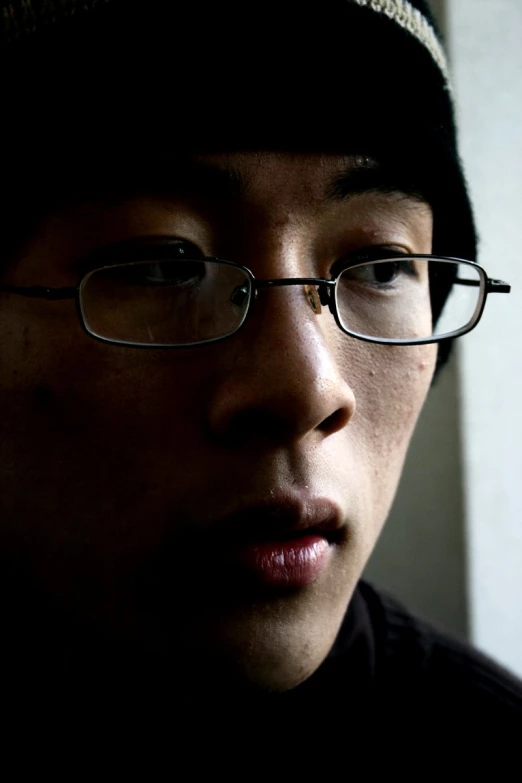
336	421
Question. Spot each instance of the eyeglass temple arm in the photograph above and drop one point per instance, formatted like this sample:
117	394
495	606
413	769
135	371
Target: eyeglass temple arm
497	287
492	286
40	292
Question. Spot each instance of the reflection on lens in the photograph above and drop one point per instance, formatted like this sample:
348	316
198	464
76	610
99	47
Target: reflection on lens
463	288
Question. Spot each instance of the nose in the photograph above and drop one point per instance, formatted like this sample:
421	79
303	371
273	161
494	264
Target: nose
282	381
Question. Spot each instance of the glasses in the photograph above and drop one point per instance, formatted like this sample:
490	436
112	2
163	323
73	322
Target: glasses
155	296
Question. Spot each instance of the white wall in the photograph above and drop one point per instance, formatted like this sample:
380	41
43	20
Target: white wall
485	41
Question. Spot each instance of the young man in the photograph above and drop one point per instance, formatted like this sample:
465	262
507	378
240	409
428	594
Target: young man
225	291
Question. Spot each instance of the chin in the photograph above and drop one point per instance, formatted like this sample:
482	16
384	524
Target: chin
269	647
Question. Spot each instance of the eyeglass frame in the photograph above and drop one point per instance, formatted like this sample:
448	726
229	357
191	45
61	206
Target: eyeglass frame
324	286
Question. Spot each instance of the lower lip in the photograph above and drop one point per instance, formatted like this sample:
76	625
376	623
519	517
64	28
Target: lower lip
292	564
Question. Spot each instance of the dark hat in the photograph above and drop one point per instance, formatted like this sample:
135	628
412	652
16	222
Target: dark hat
95	86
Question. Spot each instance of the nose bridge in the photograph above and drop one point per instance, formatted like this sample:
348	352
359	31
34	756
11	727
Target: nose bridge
281	257
282	246
294	338
316	291
292	303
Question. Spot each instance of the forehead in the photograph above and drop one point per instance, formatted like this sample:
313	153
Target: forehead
307	178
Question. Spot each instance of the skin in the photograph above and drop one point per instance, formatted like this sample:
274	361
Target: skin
117	462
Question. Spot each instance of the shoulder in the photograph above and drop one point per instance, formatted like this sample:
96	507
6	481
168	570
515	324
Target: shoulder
432	673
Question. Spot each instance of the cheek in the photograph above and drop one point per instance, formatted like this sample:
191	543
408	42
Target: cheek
95	430
91	409
390	389
390	385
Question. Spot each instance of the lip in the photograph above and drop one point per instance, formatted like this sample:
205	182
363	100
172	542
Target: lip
281	515
283	541
294	564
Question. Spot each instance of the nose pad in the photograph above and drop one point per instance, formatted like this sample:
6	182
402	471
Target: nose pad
313	299
326	296
323	294
240	295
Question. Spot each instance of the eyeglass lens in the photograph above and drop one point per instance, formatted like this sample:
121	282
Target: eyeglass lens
182	302
165	302
409	299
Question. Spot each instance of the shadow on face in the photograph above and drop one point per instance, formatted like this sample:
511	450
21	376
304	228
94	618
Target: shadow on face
220	500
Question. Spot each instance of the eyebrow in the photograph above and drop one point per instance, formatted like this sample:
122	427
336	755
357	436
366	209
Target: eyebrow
366	175
211	183
188	178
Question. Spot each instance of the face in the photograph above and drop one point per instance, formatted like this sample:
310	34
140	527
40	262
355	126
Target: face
154	495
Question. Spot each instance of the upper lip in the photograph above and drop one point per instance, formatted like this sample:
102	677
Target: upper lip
282	515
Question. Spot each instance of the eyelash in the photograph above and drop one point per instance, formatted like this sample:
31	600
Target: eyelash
364	254
375	253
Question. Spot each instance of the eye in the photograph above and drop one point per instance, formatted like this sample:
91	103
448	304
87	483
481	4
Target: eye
173	264
171	272
181	249
379	273
170	264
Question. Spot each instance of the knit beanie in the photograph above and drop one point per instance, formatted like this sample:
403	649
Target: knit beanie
96	90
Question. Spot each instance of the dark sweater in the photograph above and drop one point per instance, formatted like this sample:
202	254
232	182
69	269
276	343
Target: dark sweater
384	652
395	698
393	683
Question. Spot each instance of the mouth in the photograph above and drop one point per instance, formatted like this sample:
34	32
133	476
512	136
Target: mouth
286	542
